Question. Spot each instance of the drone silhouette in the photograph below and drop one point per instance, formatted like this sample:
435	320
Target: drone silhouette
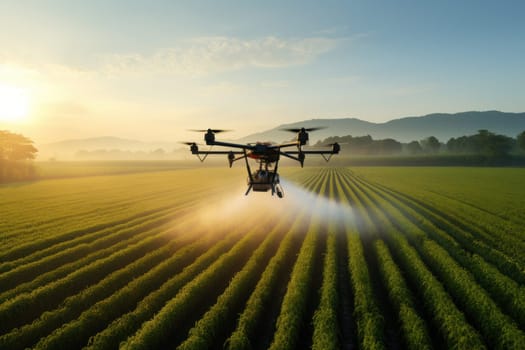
266	154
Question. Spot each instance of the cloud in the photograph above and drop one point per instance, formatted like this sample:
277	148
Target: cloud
206	55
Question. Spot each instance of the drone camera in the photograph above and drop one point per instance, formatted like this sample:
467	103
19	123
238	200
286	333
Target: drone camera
336	148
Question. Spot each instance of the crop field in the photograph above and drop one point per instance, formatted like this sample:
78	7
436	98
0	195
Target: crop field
351	258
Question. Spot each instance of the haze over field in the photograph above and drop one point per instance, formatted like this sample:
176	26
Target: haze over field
442	126
143	71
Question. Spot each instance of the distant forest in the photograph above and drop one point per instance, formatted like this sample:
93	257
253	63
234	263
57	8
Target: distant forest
17	152
484	143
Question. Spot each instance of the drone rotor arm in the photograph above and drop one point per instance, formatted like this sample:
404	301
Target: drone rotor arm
232	145
283	145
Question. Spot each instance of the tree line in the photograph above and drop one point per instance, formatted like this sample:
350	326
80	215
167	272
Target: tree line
16	155
484	143
18	151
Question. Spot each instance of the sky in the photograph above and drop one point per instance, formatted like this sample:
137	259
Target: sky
150	70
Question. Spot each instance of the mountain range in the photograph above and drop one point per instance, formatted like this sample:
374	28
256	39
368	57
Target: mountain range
441	125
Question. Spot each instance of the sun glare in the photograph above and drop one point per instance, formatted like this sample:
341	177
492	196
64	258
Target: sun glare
14	103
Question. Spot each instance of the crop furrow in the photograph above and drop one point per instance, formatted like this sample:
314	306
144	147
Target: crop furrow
497	328
31	270
89	237
370	326
210	330
298	292
73	306
76	334
505	291
172	319
252	318
326	326
444	314
25	307
465	234
128	323
414	329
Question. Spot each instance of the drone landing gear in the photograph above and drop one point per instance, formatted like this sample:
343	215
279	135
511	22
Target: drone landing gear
249	189
279	190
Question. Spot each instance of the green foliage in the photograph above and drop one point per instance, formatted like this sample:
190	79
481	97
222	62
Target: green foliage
414	329
206	331
414	147
484	142
430	144
460	283
15	151
266	288
161	259
365	145
15	147
520	140
326	328
130	322
297	295
155	332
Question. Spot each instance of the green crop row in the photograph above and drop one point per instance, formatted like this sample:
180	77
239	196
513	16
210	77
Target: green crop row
74	305
497	328
504	290
69	268
31	270
45	244
452	324
128	323
326	325
155	332
251	318
413	327
25	307
476	196
76	334
208	330
59	207
45	251
449	233
368	317
369	258
298	292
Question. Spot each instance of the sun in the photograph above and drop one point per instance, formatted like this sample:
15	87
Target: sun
14	103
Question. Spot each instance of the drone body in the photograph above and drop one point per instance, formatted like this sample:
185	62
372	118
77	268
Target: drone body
266	154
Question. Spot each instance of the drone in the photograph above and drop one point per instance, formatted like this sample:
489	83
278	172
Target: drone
267	154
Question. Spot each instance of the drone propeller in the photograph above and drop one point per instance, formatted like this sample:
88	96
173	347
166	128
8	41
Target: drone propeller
215	131
296	130
188	143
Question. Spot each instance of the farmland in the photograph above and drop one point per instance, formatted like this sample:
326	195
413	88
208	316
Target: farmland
354	258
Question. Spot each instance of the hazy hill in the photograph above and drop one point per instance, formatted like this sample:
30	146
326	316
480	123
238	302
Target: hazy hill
441	125
114	146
